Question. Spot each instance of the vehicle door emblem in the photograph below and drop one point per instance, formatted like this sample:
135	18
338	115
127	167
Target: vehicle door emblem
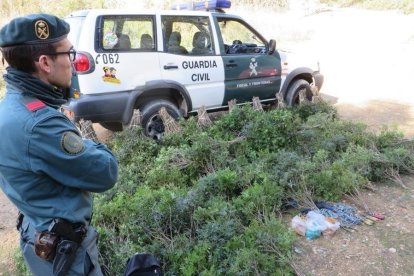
253	65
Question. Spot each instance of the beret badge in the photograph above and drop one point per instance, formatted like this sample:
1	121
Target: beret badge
41	29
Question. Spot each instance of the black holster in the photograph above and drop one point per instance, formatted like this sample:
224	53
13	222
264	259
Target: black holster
65	255
71	237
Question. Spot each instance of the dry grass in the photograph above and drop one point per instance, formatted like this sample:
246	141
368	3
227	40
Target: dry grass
8	247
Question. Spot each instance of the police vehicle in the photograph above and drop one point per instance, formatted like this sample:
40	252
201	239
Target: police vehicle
177	59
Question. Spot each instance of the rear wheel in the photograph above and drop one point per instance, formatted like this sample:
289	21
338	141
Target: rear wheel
296	87
151	120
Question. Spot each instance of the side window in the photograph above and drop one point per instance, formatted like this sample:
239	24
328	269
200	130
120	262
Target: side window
238	38
127	33
187	35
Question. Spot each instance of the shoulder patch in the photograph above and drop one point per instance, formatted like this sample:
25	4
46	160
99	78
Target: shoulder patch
35	105
72	143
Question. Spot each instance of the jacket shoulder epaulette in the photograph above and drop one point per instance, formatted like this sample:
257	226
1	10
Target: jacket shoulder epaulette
33	104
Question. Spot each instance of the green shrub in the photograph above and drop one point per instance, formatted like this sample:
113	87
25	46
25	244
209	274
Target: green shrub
271	131
231	124
388	138
334	181
322	131
205	201
136	154
261	199
307	109
264	248
196	261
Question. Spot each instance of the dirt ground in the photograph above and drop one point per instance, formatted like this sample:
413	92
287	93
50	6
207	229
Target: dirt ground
367	59
8	235
384	248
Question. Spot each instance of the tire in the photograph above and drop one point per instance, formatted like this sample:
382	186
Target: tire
151	120
292	97
112	126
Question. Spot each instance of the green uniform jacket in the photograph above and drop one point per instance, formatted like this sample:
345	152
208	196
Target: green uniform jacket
46	169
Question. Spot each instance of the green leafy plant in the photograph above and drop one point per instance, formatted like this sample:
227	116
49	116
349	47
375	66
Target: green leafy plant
206	201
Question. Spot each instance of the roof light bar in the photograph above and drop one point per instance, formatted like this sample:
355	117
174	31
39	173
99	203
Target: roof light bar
212	5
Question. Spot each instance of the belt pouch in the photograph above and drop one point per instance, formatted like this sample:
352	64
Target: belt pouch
45	245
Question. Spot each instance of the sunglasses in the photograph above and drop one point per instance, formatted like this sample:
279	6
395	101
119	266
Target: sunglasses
71	53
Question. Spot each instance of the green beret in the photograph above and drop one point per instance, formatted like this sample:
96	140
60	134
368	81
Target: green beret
33	29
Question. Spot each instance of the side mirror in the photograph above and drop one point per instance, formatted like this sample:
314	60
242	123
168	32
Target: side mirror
272	47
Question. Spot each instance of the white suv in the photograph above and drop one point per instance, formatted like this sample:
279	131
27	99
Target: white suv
181	60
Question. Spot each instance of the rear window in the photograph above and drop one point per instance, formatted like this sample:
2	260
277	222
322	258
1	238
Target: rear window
127	33
187	35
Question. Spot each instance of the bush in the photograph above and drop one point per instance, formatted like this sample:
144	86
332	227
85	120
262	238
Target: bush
263	248
271	131
205	201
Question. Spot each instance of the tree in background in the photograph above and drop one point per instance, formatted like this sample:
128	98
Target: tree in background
13	8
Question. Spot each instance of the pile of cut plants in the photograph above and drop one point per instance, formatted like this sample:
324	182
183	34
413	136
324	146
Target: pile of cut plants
208	199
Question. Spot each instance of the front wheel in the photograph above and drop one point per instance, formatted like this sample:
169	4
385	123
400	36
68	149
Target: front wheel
151	120
295	89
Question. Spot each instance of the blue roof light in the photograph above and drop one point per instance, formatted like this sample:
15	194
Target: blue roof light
211	5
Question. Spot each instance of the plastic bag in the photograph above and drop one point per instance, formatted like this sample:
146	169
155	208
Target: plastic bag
314	225
299	225
316	221
332	226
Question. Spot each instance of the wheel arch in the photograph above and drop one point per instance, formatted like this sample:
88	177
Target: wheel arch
160	89
299	73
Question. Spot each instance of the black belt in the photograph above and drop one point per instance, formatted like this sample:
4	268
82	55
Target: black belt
63	228
71	231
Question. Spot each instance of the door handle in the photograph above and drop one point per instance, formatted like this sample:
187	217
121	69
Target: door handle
230	65
168	67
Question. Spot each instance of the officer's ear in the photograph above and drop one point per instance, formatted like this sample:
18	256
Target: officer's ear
44	63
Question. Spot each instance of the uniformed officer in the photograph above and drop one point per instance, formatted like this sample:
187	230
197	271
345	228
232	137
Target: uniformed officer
46	169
